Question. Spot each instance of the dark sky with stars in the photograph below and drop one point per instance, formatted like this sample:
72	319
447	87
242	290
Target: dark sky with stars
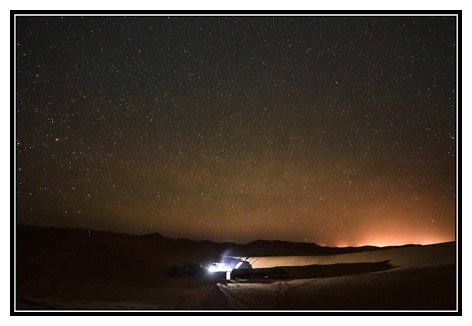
334	130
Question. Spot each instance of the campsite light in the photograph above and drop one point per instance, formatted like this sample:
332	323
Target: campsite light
212	269
219	267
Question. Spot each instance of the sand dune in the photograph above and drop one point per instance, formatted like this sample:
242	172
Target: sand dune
408	277
81	269
400	257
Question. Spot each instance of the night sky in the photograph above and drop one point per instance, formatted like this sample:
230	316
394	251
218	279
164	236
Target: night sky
334	130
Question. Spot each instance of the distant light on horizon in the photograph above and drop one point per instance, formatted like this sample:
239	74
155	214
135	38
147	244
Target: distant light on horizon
403	241
398	239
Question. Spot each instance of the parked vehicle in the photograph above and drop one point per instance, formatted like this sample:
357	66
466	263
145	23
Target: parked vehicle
188	269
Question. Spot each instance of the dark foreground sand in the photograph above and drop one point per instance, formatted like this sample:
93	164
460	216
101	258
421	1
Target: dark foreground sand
80	269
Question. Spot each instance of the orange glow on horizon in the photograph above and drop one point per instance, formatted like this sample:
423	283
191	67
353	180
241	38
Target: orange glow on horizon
397	225
400	242
399	239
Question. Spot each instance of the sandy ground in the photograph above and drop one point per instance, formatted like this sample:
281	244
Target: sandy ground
75	269
411	277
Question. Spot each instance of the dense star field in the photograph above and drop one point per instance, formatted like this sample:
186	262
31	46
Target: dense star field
334	130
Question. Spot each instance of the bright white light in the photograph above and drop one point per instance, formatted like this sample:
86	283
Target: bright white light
219	267
212	269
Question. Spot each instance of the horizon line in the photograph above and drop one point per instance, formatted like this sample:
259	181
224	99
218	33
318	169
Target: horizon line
221	242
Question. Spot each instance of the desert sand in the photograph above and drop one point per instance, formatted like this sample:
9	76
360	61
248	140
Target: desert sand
59	268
